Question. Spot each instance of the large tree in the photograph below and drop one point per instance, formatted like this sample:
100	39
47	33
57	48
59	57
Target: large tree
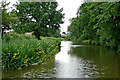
39	17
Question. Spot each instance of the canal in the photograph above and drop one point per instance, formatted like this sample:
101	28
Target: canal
74	61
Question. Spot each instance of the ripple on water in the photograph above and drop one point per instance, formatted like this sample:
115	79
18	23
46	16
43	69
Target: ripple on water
75	61
46	73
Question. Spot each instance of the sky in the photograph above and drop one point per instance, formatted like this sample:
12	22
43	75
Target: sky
70	8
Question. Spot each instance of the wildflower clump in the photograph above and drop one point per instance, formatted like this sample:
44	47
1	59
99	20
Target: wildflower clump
19	52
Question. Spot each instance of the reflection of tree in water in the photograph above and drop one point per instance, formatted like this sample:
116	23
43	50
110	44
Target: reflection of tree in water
118	65
98	61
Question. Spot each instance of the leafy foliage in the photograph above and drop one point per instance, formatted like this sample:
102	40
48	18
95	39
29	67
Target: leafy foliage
97	22
20	51
9	19
40	17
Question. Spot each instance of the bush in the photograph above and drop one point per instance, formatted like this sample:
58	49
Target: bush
86	42
68	37
16	36
21	50
79	40
118	49
93	42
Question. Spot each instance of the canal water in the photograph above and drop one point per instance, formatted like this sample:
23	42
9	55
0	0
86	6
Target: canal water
74	61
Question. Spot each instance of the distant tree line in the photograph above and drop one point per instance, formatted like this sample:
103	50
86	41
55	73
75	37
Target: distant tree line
97	23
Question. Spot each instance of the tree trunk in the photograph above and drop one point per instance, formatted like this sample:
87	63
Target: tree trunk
38	36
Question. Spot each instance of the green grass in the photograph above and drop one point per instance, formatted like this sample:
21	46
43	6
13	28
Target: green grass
20	50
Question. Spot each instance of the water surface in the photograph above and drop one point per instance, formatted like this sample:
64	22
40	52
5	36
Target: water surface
74	61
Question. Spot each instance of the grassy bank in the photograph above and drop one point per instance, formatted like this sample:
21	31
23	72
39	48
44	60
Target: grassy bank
20	50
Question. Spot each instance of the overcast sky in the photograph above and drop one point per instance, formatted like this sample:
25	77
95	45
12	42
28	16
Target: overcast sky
69	8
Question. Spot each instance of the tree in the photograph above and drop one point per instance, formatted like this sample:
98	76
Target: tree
9	19
97	22
38	17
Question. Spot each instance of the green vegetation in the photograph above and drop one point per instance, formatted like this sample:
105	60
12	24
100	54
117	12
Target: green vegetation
8	18
97	23
40	17
20	50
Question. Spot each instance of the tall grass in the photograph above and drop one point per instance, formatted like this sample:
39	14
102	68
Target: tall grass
20	50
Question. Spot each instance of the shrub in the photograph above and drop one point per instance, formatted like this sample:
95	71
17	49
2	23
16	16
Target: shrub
86	42
18	53
93	42
118	49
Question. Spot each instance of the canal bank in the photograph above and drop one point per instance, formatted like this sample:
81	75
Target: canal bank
74	61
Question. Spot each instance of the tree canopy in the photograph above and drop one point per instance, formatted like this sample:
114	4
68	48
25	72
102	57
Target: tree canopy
8	18
98	22
41	17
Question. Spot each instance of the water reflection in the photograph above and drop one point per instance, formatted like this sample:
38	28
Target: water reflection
74	61
78	61
34	71
64	62
105	61
69	65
